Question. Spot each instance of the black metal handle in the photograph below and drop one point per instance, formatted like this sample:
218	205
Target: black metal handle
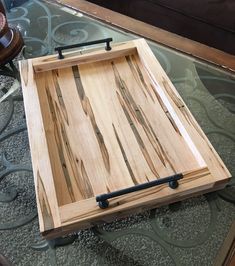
61	48
171	180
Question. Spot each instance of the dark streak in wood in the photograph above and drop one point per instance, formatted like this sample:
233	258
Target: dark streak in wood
178	102
99	136
127	97
186	115
153	139
198	173
59	134
164	108
126	199
138	138
147	177
44	204
78	81
139	114
173	123
59	145
81	186
130	103
125	157
138	75
88	111
122	87
160	150
108	189
86	181
189	118
55	74
50	102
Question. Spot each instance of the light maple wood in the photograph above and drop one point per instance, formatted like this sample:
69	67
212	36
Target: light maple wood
71	58
180	110
48	209
104	121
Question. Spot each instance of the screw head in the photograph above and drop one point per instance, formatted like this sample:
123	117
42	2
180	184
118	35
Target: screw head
103	204
173	184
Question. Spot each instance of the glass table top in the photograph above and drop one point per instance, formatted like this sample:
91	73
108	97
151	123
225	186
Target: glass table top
186	233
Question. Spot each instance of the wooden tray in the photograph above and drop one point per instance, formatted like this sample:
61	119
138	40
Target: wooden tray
103	121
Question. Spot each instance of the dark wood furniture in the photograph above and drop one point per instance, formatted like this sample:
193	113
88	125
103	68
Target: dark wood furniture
11	44
165	38
11	41
2	10
211	22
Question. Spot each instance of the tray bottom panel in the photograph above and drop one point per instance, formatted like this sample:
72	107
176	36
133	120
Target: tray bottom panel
107	129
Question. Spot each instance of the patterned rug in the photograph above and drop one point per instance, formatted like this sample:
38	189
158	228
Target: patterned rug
186	233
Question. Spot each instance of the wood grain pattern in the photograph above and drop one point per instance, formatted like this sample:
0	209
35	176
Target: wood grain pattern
51	62
48	209
106	125
210	156
90	211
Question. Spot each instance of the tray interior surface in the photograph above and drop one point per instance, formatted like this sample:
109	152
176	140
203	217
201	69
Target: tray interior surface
107	129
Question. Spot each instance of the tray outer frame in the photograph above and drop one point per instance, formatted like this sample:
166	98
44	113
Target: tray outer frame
56	221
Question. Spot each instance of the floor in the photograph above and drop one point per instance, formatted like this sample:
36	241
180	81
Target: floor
187	233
